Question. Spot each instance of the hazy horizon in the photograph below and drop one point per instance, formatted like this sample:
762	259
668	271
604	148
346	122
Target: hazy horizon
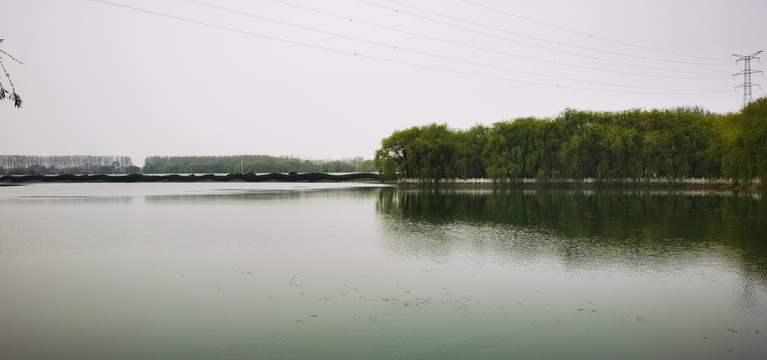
329	80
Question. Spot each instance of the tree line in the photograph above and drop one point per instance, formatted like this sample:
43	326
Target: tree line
636	145
250	164
86	164
250	177
65	164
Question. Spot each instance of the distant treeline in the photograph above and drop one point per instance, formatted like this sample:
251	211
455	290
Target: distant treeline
130	178
250	164
65	164
86	164
630	145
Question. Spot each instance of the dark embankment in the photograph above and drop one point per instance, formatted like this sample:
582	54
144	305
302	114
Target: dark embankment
274	177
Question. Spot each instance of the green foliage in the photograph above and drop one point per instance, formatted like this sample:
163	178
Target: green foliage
426	153
744	144
249	164
469	147
634	145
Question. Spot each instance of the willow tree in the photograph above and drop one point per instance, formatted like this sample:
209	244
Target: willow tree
744	155
517	149
11	95
469	152
426	153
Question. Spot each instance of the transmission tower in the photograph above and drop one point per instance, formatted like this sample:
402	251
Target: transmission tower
746	85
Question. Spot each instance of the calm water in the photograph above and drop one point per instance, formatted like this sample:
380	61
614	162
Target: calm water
308	271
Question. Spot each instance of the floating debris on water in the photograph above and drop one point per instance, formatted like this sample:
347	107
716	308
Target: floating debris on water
413	302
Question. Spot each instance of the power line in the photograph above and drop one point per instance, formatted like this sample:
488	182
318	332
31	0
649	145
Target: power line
572	18
469	46
707	40
591	35
398	11
524	35
394	61
398	48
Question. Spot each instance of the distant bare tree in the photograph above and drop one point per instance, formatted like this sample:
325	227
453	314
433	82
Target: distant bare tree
4	94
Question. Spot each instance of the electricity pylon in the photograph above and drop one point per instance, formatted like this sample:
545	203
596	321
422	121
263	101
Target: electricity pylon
746	85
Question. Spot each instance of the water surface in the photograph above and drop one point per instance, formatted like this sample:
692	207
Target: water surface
333	271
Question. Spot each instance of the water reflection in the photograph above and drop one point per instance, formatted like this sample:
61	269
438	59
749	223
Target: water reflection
237	271
247	194
646	230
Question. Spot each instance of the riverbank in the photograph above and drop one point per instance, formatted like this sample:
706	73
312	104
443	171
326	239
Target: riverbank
683	184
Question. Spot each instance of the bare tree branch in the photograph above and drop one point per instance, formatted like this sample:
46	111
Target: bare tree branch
4	94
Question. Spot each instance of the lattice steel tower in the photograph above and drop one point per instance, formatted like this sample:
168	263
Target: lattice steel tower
746	85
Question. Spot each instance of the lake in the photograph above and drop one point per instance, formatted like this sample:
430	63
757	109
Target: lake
345	271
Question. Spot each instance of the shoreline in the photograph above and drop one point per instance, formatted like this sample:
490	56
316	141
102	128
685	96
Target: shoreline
10	180
529	184
409	184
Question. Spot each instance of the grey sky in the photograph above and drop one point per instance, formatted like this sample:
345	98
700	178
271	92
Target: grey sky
225	77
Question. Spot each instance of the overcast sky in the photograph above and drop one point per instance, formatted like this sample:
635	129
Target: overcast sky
329	79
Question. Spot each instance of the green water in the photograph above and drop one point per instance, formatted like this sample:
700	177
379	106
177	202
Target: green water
313	271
